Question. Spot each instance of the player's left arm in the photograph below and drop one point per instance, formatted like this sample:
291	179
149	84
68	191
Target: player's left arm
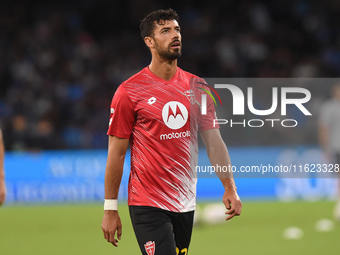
2	171
219	156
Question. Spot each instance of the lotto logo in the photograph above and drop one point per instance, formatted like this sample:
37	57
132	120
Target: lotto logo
174	114
152	100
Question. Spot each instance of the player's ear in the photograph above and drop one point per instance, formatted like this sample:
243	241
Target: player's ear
149	41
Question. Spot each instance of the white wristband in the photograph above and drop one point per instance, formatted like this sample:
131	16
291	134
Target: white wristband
110	204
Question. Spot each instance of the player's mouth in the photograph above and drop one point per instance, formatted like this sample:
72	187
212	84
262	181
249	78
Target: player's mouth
176	45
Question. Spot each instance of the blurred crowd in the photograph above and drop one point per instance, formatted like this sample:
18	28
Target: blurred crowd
61	61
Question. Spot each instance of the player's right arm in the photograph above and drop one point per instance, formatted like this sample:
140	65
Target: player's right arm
2	171
111	224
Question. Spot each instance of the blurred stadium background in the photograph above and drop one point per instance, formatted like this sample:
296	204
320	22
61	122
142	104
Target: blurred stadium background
61	62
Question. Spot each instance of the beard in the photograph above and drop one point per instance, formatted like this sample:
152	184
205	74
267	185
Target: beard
168	53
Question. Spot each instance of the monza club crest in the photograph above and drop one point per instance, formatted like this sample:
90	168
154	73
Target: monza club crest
190	94
150	247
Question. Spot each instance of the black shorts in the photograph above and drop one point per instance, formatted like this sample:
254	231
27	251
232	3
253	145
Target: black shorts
160	232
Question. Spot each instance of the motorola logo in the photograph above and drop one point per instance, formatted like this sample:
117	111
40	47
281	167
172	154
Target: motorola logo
174	114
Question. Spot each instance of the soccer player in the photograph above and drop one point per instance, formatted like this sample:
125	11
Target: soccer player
2	171
157	112
329	135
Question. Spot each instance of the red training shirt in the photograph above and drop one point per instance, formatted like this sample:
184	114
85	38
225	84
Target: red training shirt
161	118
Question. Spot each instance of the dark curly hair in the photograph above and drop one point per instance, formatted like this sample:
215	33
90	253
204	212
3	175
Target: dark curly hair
147	25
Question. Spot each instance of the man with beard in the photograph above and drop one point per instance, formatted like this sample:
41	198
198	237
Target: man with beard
157	111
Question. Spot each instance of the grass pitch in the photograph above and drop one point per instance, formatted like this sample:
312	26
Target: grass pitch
75	229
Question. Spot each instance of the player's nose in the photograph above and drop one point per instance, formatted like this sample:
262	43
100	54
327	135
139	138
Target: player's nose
175	35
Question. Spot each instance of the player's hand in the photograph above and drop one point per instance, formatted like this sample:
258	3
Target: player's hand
110	225
2	191
232	203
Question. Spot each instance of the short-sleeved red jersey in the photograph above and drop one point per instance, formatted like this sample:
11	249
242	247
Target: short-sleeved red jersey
161	118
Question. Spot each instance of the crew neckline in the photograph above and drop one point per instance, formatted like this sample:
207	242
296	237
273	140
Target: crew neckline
161	79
